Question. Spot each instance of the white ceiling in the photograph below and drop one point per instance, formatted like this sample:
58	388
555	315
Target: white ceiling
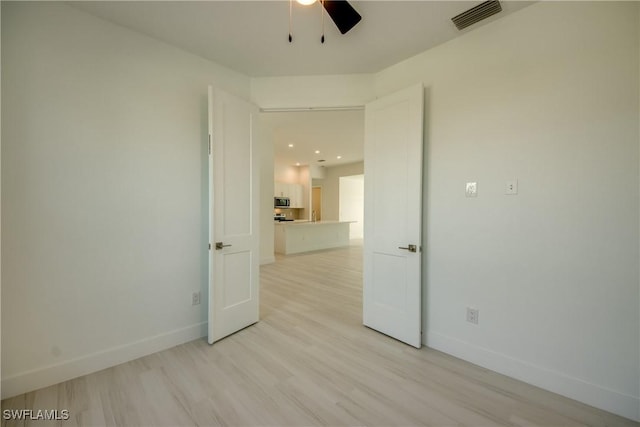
333	133
252	36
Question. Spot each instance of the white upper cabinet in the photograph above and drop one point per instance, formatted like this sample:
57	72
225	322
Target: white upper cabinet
281	189
295	195
293	191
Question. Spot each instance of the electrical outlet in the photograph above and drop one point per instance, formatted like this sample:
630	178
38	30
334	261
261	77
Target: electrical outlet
195	298
471	189
472	315
511	187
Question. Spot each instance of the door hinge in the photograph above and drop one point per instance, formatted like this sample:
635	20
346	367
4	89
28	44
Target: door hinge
209	246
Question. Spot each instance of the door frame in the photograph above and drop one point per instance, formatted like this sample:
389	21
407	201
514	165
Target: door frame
295	109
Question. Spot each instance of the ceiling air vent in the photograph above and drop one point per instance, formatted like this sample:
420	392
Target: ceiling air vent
477	14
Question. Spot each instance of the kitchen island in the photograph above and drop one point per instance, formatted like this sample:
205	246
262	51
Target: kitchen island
292	237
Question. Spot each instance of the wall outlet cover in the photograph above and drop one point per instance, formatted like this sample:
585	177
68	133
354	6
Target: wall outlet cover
471	190
472	315
511	187
195	298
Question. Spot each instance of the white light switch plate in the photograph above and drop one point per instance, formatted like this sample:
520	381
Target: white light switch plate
471	189
511	187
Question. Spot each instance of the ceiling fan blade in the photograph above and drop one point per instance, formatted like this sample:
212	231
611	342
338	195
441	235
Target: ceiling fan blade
343	14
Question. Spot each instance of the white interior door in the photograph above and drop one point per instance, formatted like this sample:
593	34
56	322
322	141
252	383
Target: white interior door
233	215
393	215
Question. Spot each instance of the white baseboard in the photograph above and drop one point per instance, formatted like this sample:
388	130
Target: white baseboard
69	369
557	382
267	260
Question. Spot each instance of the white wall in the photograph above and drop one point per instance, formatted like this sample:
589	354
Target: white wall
352	204
284	172
317	172
548	96
331	187
266	193
312	91
104	184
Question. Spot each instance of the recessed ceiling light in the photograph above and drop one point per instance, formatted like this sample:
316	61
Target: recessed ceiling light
339	157
298	164
317	151
306	2
290	145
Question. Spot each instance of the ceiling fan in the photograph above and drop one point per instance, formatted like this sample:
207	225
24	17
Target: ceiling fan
340	11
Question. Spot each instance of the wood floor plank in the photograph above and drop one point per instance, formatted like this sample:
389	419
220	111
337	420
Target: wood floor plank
308	362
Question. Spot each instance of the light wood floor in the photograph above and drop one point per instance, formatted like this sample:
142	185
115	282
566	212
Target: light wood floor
309	361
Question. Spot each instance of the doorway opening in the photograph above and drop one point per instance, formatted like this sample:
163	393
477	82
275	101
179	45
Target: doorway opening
307	153
310	151
316	203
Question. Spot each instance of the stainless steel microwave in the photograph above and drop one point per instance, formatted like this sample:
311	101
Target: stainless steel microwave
281	202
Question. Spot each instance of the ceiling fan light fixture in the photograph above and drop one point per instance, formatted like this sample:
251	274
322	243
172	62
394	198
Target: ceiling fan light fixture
340	11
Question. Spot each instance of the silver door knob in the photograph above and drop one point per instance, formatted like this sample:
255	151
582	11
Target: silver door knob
220	245
410	248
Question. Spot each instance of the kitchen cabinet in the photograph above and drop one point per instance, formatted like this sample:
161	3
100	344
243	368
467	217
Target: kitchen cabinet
293	191
281	189
295	196
304	236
